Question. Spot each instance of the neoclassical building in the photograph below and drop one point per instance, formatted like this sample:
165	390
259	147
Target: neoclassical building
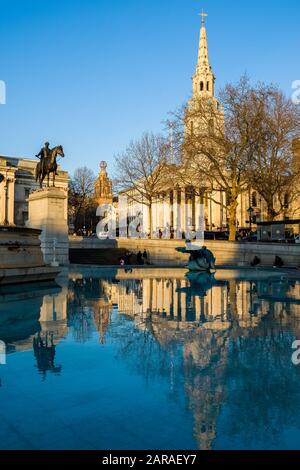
17	180
179	209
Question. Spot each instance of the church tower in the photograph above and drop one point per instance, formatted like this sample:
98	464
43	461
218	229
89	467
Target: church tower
203	99
103	187
204	79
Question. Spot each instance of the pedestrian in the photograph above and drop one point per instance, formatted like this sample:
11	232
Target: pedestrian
145	257
140	258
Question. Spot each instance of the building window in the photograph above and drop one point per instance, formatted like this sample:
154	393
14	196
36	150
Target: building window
254	200
207	86
201	86
27	192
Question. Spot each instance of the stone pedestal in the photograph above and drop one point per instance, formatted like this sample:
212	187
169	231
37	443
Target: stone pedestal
48	211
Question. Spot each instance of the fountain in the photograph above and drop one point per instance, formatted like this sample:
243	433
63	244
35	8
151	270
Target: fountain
21	257
201	259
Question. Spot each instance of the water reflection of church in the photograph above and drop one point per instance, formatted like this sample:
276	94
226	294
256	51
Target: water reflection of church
206	322
208	327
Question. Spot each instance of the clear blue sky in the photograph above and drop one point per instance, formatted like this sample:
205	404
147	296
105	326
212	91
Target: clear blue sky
93	74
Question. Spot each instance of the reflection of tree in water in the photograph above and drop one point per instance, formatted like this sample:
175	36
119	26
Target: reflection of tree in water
204	367
243	364
264	386
207	366
247	368
83	326
80	314
145	356
44	351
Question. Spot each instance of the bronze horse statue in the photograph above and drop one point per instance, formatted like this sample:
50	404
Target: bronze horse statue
48	165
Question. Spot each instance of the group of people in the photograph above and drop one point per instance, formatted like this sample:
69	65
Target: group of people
141	258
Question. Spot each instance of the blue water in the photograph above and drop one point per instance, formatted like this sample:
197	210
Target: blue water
151	361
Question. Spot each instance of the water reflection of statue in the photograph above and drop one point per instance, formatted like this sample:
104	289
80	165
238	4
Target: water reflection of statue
44	351
200	283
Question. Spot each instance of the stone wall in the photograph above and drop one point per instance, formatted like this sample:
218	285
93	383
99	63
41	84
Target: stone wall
90	243
20	247
226	253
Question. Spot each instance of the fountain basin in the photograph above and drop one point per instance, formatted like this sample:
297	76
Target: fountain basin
21	257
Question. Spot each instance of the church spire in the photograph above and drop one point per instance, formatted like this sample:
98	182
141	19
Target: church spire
204	79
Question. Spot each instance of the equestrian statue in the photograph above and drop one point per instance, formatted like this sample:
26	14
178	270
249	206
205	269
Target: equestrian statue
47	164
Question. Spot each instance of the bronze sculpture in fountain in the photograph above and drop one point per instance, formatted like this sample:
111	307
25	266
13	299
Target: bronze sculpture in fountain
201	259
48	164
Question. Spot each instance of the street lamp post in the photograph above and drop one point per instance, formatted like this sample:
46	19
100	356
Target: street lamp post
250	212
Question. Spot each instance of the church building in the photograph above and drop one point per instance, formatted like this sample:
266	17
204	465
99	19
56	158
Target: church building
179	209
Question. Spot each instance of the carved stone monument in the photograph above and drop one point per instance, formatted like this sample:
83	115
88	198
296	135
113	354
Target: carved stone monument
48	211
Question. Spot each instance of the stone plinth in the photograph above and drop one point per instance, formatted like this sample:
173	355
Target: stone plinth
48	211
20	247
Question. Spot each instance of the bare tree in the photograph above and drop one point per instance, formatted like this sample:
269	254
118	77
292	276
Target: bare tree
81	193
141	170
215	144
273	170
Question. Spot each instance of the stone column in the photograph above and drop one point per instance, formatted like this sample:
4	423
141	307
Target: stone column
177	216
2	202
198	213
161	212
183	211
154	218
183	301
7	195
146	283
189	216
167	216
48	211
210	212
175	298
167	297
11	200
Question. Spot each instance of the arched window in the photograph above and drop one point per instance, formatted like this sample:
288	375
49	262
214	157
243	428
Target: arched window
254	200
201	86
207	86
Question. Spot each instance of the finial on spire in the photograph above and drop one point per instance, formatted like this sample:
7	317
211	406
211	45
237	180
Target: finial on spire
203	15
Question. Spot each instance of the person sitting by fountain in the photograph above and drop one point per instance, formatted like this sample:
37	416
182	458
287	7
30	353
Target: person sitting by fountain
256	261
278	262
140	258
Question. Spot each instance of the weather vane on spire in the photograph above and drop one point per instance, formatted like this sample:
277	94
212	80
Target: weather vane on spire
203	15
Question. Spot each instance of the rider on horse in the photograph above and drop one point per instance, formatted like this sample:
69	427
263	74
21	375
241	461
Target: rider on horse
44	153
48	163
